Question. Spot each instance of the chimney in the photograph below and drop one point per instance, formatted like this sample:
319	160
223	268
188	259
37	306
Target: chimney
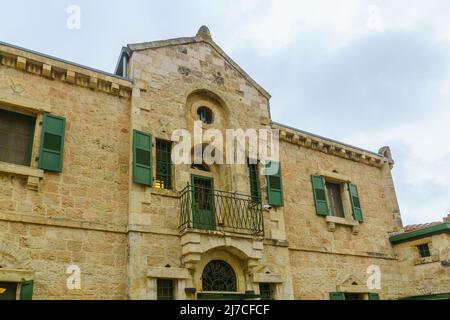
447	218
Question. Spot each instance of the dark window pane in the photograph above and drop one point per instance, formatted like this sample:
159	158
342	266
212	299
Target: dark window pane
266	291
424	250
205	115
16	137
143	157
52	142
8	290
165	289
163	164
335	199
254	182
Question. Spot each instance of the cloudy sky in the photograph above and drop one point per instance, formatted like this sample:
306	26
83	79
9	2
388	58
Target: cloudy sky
369	73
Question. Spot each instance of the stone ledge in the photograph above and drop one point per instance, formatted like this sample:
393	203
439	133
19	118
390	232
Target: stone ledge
342	221
165	193
61	222
15	275
344	252
267	278
24	103
34	175
168	273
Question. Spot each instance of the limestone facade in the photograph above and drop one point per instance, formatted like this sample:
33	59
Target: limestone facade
125	236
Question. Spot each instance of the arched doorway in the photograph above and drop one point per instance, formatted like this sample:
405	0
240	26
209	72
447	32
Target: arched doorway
219	276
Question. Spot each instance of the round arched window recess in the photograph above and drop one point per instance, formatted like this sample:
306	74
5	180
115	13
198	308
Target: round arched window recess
219	276
205	115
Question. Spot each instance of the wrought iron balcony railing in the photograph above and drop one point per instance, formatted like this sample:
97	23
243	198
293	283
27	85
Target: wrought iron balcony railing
210	209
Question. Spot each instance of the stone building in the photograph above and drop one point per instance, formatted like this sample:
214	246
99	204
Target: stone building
92	207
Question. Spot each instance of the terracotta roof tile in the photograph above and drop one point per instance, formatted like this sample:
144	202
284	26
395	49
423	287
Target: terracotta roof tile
415	227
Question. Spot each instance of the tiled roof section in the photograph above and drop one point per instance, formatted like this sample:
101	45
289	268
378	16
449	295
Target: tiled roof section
415	227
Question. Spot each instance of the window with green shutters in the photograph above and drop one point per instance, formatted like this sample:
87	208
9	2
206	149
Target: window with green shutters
254	181
374	296
320	195
274	184
356	204
329	203
337	296
163	164
51	153
142	158
26	290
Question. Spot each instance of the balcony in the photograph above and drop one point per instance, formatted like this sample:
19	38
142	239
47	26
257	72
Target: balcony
208	209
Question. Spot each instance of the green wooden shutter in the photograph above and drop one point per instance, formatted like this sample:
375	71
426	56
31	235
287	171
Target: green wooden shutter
374	296
51	154
320	195
275	185
142	158
26	290
337	296
356	204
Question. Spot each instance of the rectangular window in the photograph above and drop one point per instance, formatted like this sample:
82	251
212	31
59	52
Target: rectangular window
266	291
16	137
424	250
254	181
165	289
8	291
335	199
353	296
163	164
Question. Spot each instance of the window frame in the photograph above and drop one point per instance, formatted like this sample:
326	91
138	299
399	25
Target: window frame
161	285
160	184
31	143
339	194
254	183
208	117
420	251
271	291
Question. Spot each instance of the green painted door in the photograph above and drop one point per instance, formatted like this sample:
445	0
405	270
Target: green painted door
203	211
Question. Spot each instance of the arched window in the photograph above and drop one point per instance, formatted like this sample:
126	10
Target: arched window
205	115
219	276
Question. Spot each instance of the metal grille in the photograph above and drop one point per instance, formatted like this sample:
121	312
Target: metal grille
219	276
165	289
163	164
231	212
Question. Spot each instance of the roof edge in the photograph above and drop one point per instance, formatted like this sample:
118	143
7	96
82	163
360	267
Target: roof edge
326	139
421	233
74	64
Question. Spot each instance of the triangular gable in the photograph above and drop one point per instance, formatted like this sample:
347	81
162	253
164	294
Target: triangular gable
203	36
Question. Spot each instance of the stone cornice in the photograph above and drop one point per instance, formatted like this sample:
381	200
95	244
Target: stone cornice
64	71
328	146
